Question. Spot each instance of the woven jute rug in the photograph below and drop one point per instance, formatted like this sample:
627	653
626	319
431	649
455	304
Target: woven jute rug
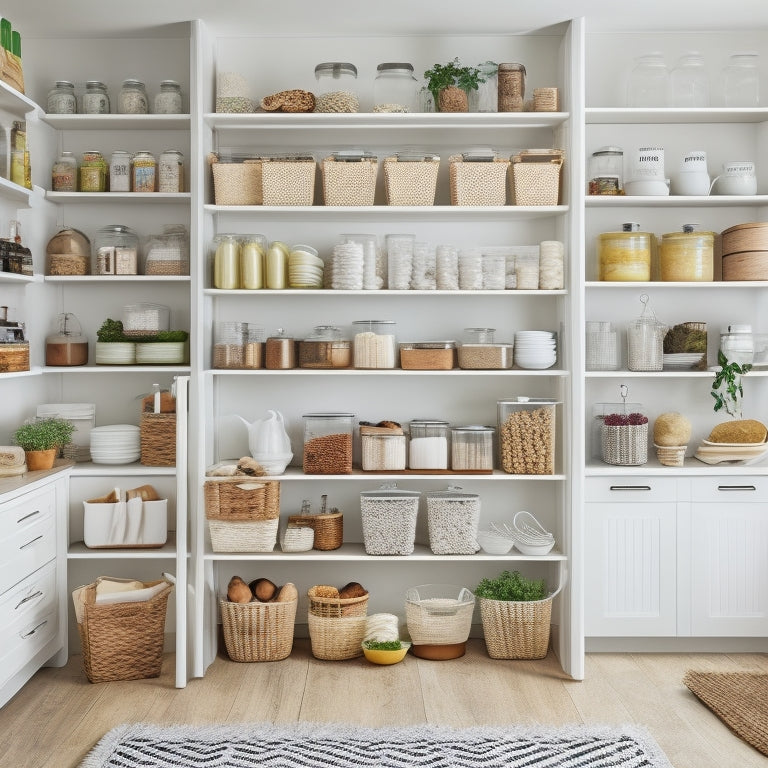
739	699
307	745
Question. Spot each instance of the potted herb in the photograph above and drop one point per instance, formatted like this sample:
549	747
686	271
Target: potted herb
41	440
112	346
727	388
385	652
516	612
450	85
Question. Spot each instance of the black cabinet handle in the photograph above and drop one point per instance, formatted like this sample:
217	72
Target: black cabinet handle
630	487
736	488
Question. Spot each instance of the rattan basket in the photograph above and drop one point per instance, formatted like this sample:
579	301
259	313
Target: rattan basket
625	444
336	639
157	432
516	630
478	183
536	183
336	607
329	530
237	183
411	182
258	631
438	614
288	181
349	182
123	641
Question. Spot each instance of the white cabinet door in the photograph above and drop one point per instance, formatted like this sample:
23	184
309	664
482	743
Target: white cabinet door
729	558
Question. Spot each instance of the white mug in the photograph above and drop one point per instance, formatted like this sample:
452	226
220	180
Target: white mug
692	183
737	178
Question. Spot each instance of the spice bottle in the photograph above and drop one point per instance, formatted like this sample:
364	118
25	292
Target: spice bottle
511	79
143	172
61	99
168	98
95	98
133	98
170	171
64	173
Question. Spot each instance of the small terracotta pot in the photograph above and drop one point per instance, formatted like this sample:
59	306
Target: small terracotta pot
40	459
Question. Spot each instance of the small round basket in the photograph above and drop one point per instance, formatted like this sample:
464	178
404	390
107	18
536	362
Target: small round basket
670	455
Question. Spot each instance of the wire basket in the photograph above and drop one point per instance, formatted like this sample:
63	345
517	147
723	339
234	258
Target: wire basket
349	182
258	631
410	182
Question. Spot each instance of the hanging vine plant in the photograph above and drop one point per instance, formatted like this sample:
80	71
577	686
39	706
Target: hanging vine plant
727	388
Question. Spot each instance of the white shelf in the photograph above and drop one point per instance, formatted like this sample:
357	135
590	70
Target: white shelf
12	277
78	551
11	191
118	197
118	122
14	102
308	292
294	473
33	371
89	469
383	372
690	467
674	201
673	115
646	286
81	369
102	279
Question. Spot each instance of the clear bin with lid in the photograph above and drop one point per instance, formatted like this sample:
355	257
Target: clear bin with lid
606	171
428	444
374	344
382	450
115	250
395	88
228	344
472	448
280	351
325	347
336	89
145	319
486	357
68	346
389	519
428	355
687	256
527	436
625	256
328	443
453	517
168	253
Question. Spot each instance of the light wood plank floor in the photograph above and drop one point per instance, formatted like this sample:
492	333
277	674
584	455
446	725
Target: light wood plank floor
58	716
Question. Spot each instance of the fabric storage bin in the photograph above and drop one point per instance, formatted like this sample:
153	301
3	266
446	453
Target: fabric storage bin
258	631
478	180
123	641
336	639
243	514
288	180
125	524
439	615
237	180
389	521
411	179
453	517
157	434
536	177
349	178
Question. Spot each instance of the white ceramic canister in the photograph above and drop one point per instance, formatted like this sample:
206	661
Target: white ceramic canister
738	178
693	178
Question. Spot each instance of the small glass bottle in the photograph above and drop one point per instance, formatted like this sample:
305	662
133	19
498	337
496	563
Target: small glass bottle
93	172
741	80
395	88
168	99
61	99
64	173
170	171
120	171
226	262
95	98
143	172
648	81
511	87
133	98
689	82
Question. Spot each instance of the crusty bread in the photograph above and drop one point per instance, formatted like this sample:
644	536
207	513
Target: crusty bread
263	589
353	589
324	590
251	467
294	100
238	591
288	593
739	431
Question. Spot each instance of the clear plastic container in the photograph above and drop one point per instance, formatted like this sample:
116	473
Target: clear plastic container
527	435
143	172
428	444
689	82
382	452
170	171
280	351
325	348
687	256
399	261
69	253
648	81
374	344
395	88
738	344
487	91
336	89
93	172
328	443
115	250
168	99
606	171
479	335
228	345
168	253
472	448
64	173
511	87
602	346
145	319
486	356
625	256
253	346
120	171
741	80
428	355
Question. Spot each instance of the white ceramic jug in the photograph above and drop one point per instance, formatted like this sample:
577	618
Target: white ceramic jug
268	441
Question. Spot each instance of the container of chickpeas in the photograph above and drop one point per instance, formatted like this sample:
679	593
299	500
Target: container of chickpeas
453	517
389	520
328	443
527	437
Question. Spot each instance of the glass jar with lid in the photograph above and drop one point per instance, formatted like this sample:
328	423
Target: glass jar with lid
64	173
488	90
336	89
61	99
395	88
168	253
737	343
226	262
69	253
328	443
93	172
689	82
625	256
67	346
280	351
95	98
606	171
132	99
115	250
170	171
648	81
428	444
511	87
472	448
382	448
228	344
374	344
527	436
741	80
325	347
168	99
253	251
120	171
687	256
143	172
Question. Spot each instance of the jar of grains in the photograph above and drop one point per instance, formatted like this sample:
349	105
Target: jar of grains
280	351
116	249
328	443
93	172
133	98
336	87
472	448
143	172
120	171
226	262
428	444
64	173
325	348
170	171
61	99
374	344
511	82
228	344
95	98
395	88
527	436
168	99
253	346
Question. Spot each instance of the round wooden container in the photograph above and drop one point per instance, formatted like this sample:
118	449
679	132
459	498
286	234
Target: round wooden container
745	252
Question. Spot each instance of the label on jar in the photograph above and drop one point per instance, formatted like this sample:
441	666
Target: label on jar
120	174
144	175
95	104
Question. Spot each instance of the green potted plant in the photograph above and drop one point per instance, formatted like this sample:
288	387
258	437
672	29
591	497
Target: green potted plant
727	389
114	347
41	440
450	85
385	652
516	612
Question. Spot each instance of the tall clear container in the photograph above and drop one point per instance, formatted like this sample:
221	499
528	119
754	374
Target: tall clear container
61	99
115	250
95	98
428	444
472	448
132	99
226	262
168	99
689	82
328	443
228	344
487	91
741	80
648	81
253	251
527	435
374	344
395	88
336	89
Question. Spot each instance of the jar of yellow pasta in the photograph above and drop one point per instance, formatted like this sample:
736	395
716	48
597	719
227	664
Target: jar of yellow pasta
625	256
687	256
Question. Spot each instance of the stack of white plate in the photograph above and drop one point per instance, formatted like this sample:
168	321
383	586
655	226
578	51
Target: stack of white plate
304	269
115	444
682	361
535	349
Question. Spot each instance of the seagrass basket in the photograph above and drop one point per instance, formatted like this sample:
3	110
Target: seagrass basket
157	432
328	527
478	183
410	182
536	182
336	639
258	631
349	181
123	641
237	183
439	614
336	607
516	630
288	180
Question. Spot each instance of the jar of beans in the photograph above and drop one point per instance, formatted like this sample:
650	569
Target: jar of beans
229	345
95	98
328	443
168	98
143	172
61	99
325	348
170	171
64	173
133	98
336	87
527	436
280	351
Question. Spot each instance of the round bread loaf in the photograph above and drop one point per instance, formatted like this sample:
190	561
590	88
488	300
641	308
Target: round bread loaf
238	591
739	431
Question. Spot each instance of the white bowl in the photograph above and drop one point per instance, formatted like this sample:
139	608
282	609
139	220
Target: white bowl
274	464
534	549
646	187
493	543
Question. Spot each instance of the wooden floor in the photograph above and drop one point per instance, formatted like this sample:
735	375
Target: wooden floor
58	716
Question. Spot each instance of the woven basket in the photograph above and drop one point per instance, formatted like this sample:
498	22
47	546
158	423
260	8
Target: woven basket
243	536
671	455
242	498
545	99
336	607
123	641
157	433
516	630
297	538
478	183
329	531
536	183
349	182
625	444
336	639
258	631
410	182
438	620
237	183
288	182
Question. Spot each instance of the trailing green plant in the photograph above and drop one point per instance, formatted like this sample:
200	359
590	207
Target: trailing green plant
512	586
727	388
44	434
112	331
453	73
385	645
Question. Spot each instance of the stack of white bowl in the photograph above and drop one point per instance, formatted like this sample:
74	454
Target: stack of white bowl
535	350
305	268
115	444
529	536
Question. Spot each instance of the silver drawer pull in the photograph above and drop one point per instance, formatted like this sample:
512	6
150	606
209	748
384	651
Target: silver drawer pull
28	598
26	517
37	538
736	488
630	487
31	632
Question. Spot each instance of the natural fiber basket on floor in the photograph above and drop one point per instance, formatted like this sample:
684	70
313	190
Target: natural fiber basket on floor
328	527
516	630
123	641
410	182
336	607
536	183
258	631
434	619
157	433
478	183
336	639
288	181
237	183
349	182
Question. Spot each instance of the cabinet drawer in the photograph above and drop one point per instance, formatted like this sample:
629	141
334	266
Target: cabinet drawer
28	528
730	489
630	489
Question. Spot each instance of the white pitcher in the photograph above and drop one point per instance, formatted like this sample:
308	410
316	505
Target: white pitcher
268	439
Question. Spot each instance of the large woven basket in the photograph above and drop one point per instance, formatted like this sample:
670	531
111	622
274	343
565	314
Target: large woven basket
288	182
248	536
439	614
536	183
516	630
258	631
123	641
477	183
237	183
157	433
410	182
349	182
336	639
336	607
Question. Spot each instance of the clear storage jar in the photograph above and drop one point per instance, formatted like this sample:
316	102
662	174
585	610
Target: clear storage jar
487	357
325	348
527	436
395	88
145	319
625	256
645	344
64	173
253	346
428	355
67	346
61	99
738	344
687	256
741	80
648	81
132	99
511	87
168	99
488	90
228	345
143	172
116	250
606	171
602	346
328	443
93	172
226	262
168	253
381	452
170	171
253	251
689	82
336	89
120	171
374	344
472	448
428	444
95	98
280	351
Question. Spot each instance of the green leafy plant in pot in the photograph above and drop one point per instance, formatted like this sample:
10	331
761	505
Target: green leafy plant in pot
727	387
42	439
450	85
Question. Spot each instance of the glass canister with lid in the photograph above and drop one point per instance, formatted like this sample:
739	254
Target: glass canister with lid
328	443
325	347
95	98
648	81
170	171
67	346
168	99
132	99
120	171
606	171
741	80
93	172
64	173
336	87
61	99
428	444
527	436
374	344
472	448
115	250
687	256
395	88
626	256
737	343
511	87
280	351
143	172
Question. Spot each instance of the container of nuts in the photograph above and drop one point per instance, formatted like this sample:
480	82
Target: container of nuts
527	438
328	443
488	357
389	520
428	355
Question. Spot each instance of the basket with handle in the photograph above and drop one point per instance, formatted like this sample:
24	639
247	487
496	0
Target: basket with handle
258	631
439	614
336	607
336	639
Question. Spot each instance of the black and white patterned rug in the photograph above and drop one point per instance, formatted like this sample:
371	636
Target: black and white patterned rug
309	745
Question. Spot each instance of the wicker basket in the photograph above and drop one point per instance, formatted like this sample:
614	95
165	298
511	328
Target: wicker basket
439	614
288	182
251	536
478	183
410	182
336	639
349	182
336	607
536	183
625	444
329	531
297	538
123	641
545	99
671	455
516	630
237	183
258	631
157	433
